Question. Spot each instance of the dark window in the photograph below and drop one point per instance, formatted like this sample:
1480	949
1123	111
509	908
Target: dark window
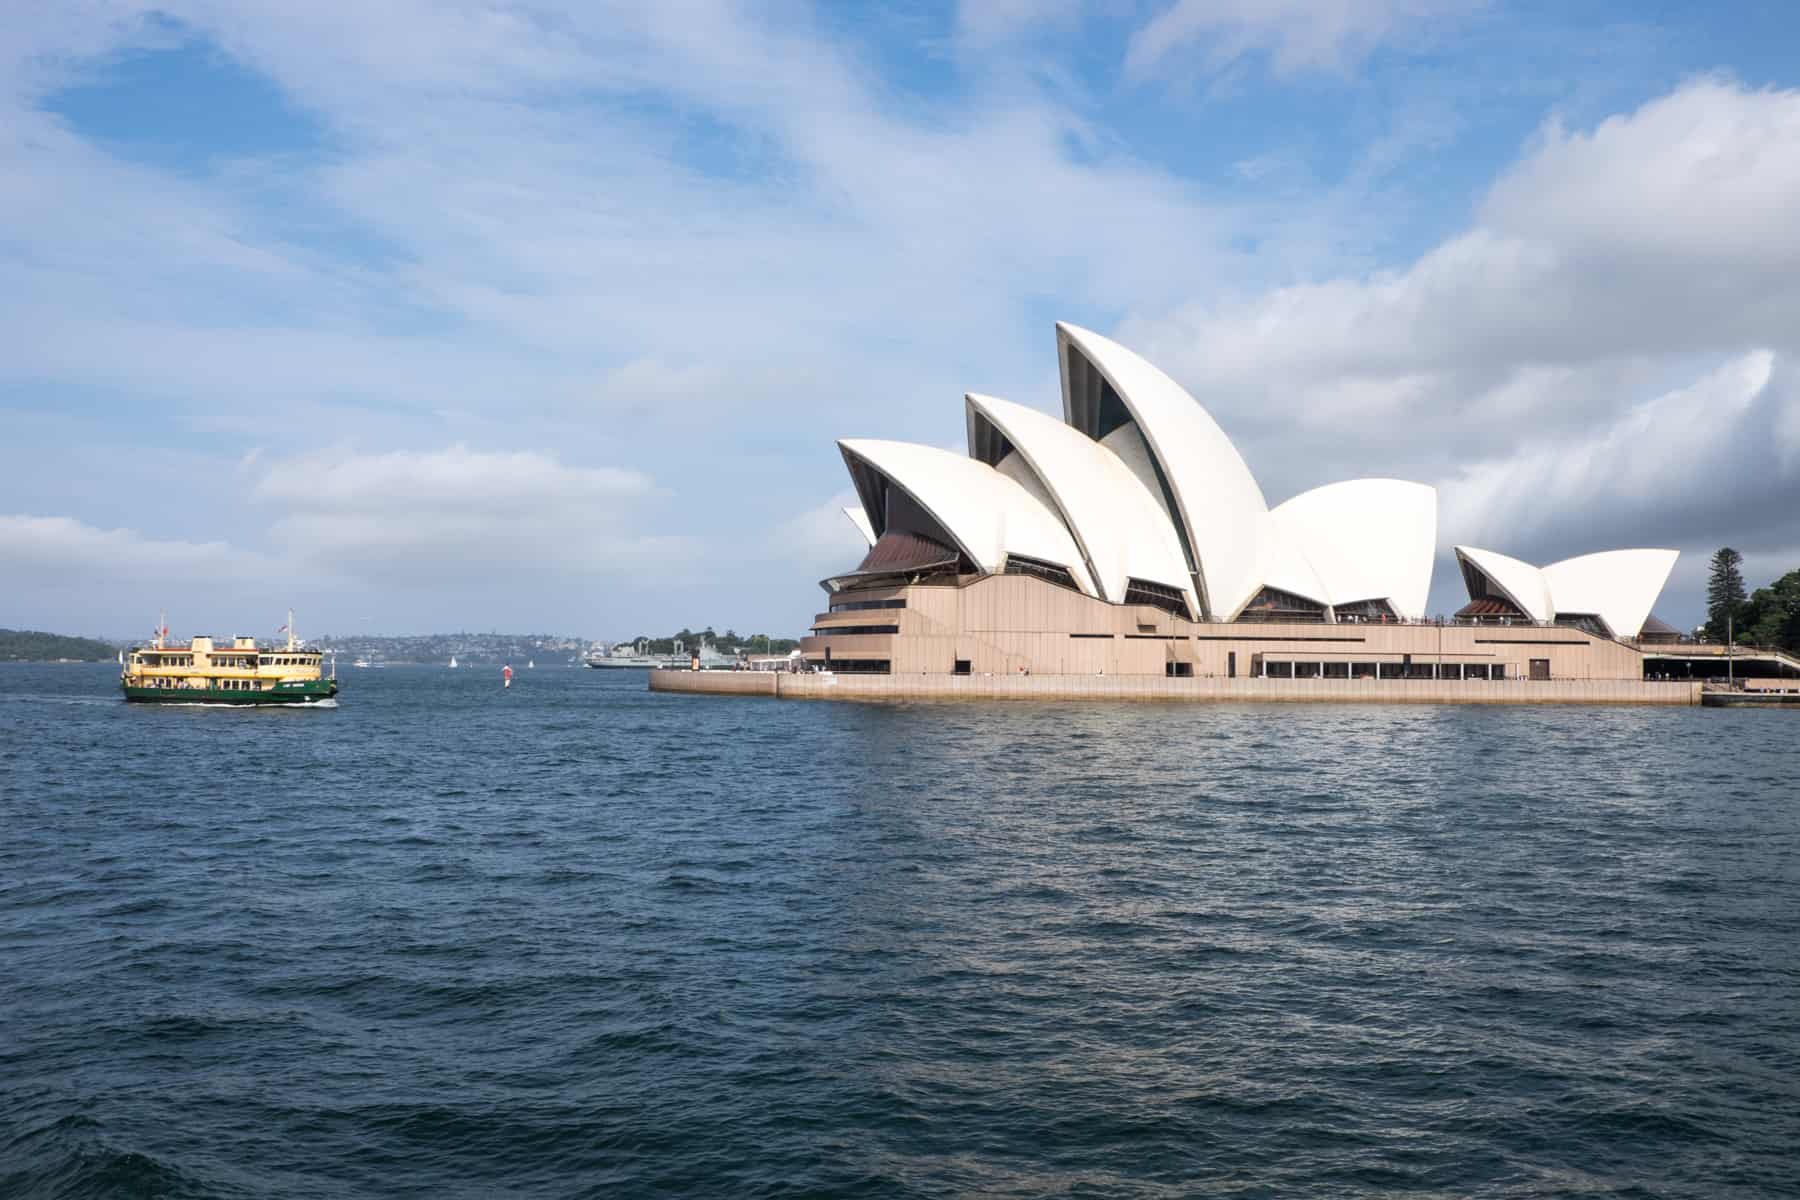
1337	670
1450	671
1362	670
1179	670
1586	622
1306	670
961	668
1365	610
1019	564
1540	668
1497	671
1169	599
860	666
864	605
1090	635
1391	670
1231	664
835	630
1419	671
1279	670
1273	604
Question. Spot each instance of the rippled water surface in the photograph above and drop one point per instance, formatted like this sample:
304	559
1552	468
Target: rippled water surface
576	939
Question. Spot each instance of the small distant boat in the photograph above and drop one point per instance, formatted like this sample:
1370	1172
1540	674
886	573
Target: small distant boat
530	665
453	662
361	662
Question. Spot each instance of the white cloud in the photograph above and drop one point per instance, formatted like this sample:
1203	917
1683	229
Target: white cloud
1600	264
504	484
31	545
458	513
1297	35
1672	467
822	533
984	23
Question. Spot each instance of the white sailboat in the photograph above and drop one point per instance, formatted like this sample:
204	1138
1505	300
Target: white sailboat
530	665
453	662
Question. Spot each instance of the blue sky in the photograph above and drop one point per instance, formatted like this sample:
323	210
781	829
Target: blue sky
525	316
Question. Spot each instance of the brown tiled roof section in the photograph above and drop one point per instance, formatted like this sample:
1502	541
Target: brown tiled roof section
896	550
1488	606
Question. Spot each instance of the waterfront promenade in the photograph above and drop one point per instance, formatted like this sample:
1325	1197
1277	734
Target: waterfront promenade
823	686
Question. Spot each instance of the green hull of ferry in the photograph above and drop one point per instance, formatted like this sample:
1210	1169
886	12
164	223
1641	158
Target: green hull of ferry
287	691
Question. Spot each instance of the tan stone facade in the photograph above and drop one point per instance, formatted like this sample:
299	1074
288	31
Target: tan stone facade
1151	688
1005	625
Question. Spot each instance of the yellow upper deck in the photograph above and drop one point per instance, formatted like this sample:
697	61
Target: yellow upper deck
203	659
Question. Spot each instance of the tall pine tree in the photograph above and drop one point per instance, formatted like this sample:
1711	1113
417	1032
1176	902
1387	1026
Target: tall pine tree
1724	591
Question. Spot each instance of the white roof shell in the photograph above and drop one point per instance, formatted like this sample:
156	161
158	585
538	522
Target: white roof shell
860	519
1518	581
1283	564
988	514
1618	586
1119	526
1367	539
1216	497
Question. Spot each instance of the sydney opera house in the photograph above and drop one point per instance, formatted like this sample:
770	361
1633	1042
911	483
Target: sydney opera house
1130	539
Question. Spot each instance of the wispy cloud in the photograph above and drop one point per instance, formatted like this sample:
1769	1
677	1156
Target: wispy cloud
1295	35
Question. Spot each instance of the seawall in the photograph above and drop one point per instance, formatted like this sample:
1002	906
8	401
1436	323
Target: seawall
1162	688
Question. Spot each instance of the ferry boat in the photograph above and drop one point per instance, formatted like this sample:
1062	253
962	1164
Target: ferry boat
225	671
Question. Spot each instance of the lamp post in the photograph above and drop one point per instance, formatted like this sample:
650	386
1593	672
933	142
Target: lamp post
1730	675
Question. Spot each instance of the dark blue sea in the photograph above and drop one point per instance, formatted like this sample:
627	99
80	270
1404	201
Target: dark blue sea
578	940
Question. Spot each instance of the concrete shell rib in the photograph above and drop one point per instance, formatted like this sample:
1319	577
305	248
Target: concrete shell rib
1367	539
1118	525
1618	586
860	519
989	515
1216	498
1519	582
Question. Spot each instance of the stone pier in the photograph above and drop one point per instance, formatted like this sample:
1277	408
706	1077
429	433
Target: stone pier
820	686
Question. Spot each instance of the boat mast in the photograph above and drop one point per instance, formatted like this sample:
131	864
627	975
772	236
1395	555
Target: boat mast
290	645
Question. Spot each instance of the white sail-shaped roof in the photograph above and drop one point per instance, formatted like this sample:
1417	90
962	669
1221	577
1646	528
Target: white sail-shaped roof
860	519
1215	498
1368	539
1119	526
1519	582
1618	586
1284	565
987	514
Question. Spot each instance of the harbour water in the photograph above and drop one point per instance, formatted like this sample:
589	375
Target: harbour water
575	939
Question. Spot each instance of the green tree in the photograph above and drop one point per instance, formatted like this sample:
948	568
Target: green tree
1771	617
1724	592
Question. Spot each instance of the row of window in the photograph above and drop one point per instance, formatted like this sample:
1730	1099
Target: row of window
864	605
239	685
1019	564
164	660
1170	600
835	630
1385	670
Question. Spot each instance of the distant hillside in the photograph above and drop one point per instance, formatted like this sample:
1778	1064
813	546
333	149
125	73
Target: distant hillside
29	645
